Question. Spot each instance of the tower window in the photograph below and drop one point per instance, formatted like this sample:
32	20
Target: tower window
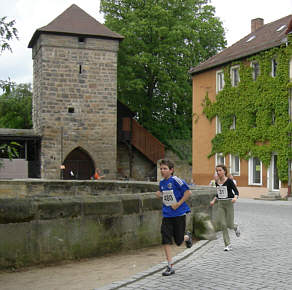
80	69
81	39
71	110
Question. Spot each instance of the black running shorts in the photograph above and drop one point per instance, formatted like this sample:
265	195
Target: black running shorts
173	228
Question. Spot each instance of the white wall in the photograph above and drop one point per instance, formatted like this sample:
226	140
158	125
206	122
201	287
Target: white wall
16	168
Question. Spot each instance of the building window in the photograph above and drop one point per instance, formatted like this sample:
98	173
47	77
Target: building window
253	119
81	39
255	70
235	76
218	125
219	81
234	165
219	159
273	117
71	110
274	67
254	171
233	125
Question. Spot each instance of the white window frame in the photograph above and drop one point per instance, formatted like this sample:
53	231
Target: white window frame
274	67
232	70
254	76
272	174
232	165
218	125
219	81
217	156
250	172
233	125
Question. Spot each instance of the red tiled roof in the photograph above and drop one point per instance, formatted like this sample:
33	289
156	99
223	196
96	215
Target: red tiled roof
75	21
267	36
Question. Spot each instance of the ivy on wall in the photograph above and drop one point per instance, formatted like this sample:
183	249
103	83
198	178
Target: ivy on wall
260	108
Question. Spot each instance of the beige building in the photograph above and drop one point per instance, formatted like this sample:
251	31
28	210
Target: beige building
210	79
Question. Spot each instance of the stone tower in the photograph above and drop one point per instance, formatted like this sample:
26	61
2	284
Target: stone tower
75	95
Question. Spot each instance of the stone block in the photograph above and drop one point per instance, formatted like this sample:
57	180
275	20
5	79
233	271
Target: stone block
14	210
102	206
54	207
131	204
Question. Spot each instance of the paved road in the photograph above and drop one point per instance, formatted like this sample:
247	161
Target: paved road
261	257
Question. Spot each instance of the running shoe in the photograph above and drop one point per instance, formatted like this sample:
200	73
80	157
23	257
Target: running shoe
169	271
237	231
228	248
189	242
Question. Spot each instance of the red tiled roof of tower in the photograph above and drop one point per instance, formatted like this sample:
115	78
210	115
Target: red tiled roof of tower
261	38
75	21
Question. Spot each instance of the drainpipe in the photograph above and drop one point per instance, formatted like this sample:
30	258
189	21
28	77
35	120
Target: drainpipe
62	167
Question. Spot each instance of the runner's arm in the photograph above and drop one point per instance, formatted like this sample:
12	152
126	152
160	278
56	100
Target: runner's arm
185	197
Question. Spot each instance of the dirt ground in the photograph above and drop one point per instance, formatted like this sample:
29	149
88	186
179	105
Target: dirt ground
86	274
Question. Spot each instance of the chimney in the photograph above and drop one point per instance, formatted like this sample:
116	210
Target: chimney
289	29
256	24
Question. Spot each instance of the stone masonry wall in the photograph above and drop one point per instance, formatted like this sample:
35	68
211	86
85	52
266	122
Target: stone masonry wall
80	76
182	168
50	221
142	168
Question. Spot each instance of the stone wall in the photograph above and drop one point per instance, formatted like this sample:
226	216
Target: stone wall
75	100
142	168
50	221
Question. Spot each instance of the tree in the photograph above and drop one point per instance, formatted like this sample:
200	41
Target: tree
163	40
7	33
15	105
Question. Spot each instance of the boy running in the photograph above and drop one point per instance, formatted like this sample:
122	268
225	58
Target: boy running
174	192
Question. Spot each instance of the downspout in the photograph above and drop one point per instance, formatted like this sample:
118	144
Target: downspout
62	168
131	150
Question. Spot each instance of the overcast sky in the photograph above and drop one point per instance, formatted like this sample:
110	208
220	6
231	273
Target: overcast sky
33	14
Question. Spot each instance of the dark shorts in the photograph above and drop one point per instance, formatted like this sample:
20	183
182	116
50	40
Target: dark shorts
173	228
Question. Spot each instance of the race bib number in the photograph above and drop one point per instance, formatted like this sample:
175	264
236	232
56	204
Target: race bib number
222	191
168	197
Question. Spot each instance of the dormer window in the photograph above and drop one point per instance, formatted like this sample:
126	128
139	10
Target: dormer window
281	28
235	76
251	38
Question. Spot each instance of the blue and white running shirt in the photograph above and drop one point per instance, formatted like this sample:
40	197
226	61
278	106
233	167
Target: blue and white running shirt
173	190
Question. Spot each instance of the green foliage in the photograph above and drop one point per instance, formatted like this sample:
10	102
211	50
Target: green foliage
182	147
7	33
255	104
9	150
15	105
163	39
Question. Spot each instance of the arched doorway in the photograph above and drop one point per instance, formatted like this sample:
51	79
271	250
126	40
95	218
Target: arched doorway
78	165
